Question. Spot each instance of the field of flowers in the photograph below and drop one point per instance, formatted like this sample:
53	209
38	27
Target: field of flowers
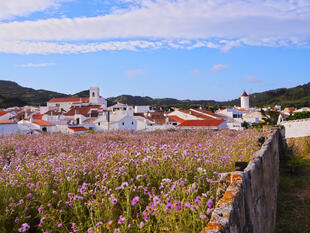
116	181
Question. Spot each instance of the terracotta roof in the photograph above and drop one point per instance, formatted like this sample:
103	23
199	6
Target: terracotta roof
4	122
175	119
201	123
196	114
3	113
209	113
244	94
42	122
85	111
37	116
241	110
73	99
52	113
78	128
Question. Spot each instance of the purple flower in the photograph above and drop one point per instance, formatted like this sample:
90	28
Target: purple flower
30	186
135	200
156	200
210	203
121	219
59	225
40	209
202	216
99	223
74	227
29	195
41	221
187	204
169	206
25	227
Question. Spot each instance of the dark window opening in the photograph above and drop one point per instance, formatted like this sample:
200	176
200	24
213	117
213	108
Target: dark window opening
44	129
123	123
93	94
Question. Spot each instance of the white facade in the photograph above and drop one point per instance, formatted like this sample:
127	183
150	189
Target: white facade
7	129
27	126
296	128
143	109
6	116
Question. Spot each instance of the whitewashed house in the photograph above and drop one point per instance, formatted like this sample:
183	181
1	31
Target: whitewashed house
37	125
5	115
8	127
66	103
143	109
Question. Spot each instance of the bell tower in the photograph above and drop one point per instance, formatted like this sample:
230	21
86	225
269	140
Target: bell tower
94	96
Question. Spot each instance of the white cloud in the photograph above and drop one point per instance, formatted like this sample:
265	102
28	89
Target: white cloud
26	47
135	73
195	72
177	24
36	65
218	67
13	8
252	79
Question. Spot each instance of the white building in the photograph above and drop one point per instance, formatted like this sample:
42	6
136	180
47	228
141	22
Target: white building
66	103
143	109
8	127
245	101
5	115
37	125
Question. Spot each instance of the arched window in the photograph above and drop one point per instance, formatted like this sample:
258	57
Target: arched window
94	94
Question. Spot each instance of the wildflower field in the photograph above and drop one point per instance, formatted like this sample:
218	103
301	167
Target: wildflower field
163	181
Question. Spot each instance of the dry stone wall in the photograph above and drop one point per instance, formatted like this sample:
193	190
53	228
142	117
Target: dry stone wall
247	200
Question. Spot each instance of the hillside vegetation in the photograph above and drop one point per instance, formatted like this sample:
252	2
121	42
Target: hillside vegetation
12	94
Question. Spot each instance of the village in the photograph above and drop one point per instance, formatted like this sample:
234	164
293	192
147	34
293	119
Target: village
79	115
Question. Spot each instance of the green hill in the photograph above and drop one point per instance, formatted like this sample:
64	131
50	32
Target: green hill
12	94
15	95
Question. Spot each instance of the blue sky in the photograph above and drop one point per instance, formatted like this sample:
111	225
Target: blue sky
185	49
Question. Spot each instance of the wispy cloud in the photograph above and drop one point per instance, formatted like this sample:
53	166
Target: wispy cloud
135	73
218	67
221	24
13	8
36	65
194	72
252	79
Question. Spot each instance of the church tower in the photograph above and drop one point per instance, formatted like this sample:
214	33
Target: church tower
94	95
245	100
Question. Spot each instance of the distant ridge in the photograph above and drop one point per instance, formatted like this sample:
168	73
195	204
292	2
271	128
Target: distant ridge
12	94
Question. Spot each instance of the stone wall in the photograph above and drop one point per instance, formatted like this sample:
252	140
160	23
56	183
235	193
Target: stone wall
247	200
296	128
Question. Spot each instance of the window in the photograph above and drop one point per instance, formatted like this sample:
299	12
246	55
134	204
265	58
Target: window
99	123
132	123
125	109
174	123
94	94
44	129
123	123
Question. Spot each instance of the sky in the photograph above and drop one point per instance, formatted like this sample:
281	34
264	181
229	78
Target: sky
184	49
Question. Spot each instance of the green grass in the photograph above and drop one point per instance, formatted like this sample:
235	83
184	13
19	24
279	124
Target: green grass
294	190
